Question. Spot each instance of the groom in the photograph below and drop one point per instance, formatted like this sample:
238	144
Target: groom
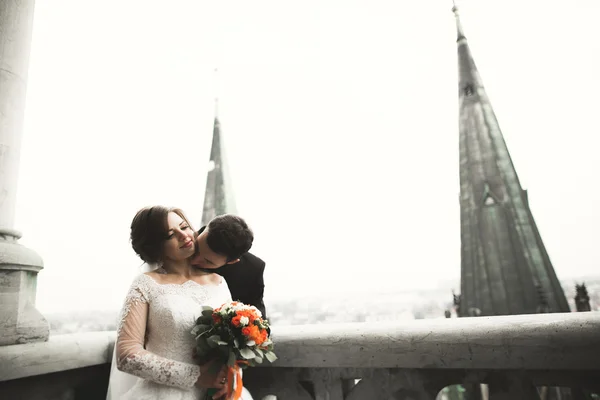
222	247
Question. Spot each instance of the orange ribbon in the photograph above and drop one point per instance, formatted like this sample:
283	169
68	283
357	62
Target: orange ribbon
234	377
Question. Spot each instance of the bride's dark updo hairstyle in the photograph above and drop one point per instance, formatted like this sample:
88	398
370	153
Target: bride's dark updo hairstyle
149	231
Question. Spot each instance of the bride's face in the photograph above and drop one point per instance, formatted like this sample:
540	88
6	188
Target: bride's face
179	244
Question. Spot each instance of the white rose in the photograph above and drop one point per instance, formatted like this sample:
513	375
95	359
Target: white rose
244	321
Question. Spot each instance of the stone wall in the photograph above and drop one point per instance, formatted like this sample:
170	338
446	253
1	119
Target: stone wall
513	355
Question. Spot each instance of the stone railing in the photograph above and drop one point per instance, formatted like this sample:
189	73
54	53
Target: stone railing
415	360
66	367
513	355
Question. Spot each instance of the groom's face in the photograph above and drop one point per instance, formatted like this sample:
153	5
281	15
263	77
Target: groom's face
205	257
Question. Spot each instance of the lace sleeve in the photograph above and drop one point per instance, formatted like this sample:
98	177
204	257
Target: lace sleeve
131	355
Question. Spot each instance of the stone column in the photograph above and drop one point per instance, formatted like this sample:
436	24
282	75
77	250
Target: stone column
20	322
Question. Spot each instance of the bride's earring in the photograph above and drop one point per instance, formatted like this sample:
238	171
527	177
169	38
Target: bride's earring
157	266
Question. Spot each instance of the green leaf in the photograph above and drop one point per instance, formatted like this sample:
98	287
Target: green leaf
207	308
232	359
259	352
247	354
258	360
204	334
200	329
204	320
270	356
204	314
236	343
214	340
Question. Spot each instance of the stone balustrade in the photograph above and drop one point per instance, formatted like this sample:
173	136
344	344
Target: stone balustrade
416	359
411	360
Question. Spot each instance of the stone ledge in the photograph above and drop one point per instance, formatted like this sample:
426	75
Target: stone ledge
59	353
561	341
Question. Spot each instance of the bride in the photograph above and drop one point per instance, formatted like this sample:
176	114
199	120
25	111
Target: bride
153	357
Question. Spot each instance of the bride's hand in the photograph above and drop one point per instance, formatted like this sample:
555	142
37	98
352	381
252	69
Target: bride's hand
221	393
222	386
208	379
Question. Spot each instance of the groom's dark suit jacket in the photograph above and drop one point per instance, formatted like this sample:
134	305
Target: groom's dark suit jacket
245	280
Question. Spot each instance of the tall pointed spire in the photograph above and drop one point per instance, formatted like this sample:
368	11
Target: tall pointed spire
504	264
218	196
459	29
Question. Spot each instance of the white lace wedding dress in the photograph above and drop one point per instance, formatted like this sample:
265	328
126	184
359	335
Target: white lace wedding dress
153	353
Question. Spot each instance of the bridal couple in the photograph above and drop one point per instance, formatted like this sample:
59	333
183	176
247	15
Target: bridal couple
153	356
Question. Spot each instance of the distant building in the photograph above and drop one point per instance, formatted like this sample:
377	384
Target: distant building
505	268
218	196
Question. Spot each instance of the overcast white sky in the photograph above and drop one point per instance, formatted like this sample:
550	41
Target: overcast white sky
340	121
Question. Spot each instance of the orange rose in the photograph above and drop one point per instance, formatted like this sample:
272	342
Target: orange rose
250	331
236	321
261	336
247	313
246	331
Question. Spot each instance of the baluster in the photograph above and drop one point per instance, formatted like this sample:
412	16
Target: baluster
512	385
328	385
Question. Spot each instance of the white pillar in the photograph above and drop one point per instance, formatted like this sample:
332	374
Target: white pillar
20	322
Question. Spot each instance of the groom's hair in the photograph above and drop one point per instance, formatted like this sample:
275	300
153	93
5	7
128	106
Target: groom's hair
229	235
149	231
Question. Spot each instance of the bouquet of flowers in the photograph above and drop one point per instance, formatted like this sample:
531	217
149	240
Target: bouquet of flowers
236	334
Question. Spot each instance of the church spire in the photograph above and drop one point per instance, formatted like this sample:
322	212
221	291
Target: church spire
504	264
218	196
469	80
459	29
